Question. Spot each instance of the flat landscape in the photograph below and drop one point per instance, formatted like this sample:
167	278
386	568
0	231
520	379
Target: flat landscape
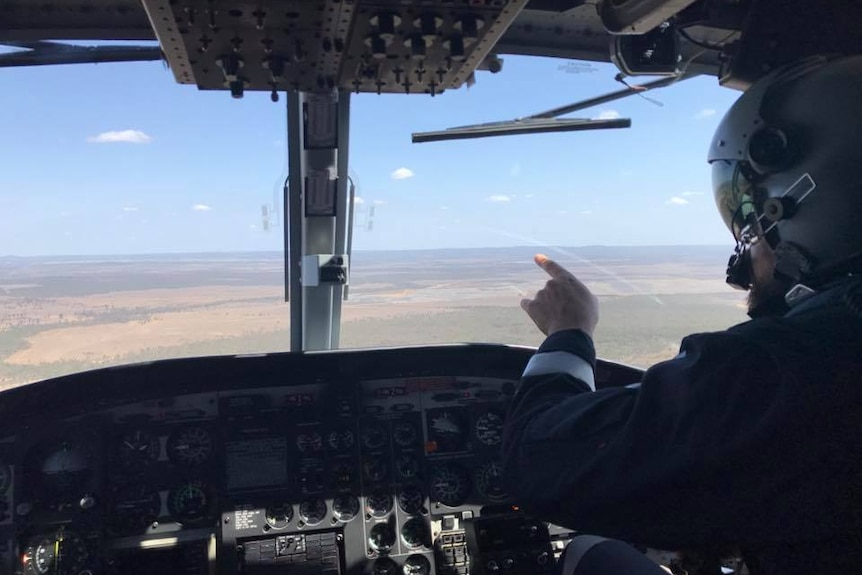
60	315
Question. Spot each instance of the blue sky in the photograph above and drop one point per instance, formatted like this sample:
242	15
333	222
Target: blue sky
194	168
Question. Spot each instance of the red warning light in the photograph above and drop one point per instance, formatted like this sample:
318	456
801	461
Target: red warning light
431	447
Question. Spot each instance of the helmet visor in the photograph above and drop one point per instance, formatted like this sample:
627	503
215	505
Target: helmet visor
734	197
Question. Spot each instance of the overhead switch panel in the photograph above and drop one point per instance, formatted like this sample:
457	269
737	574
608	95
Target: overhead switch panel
391	46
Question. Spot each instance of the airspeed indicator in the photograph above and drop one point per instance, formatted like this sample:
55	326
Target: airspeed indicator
489	428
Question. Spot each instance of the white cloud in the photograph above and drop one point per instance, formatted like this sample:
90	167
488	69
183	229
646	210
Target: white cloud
587	212
608	115
252	227
563	212
130	208
686	194
358	201
528	196
129	136
402	174
202	208
705	113
515	170
444	207
498	198
379	202
676	201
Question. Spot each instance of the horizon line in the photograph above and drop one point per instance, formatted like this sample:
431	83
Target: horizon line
391	250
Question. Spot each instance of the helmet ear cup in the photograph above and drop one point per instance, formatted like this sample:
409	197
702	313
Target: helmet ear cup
769	151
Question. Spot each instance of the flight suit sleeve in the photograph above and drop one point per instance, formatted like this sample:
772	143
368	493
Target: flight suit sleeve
669	462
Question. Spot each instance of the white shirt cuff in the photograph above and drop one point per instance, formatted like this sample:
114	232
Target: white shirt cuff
554	362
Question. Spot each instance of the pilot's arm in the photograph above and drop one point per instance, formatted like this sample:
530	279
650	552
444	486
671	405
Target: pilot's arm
690	456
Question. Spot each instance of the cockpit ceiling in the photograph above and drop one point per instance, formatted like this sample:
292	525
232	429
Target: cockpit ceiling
390	46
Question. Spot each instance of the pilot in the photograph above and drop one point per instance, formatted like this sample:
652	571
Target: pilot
750	439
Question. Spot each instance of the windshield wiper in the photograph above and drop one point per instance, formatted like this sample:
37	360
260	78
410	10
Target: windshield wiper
547	121
520	126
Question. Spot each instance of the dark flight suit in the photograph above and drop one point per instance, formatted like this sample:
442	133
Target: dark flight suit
749	439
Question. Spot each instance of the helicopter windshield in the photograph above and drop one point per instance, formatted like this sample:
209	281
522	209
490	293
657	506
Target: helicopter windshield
141	219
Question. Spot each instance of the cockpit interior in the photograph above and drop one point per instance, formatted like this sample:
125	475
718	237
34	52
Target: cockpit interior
324	460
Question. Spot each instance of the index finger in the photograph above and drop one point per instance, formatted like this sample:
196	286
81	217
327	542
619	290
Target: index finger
554	269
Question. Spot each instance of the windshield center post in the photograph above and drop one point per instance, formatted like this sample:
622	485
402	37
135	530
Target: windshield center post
318	210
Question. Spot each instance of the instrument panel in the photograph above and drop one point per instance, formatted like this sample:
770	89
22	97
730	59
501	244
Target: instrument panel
383	462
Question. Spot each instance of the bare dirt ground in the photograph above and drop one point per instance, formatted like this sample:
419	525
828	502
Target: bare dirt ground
647	307
105	341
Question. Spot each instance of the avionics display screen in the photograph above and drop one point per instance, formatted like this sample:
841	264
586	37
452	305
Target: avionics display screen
254	463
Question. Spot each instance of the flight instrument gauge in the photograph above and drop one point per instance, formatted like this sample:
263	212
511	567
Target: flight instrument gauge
382	537
384	566
189	502
40	557
345	507
417	565
373	437
343	475
378	504
190	446
446	429
450	484
489	481
411	500
407	465
376	469
414	533
312	511
138	447
489	428
44	558
66	467
309	442
340	440
404	433
64	554
279	516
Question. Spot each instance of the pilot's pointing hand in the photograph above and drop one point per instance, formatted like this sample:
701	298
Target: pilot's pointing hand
564	302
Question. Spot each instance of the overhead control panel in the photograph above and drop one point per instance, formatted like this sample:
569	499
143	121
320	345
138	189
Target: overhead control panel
382	46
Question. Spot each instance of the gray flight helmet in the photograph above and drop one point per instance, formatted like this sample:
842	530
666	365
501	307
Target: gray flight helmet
787	167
